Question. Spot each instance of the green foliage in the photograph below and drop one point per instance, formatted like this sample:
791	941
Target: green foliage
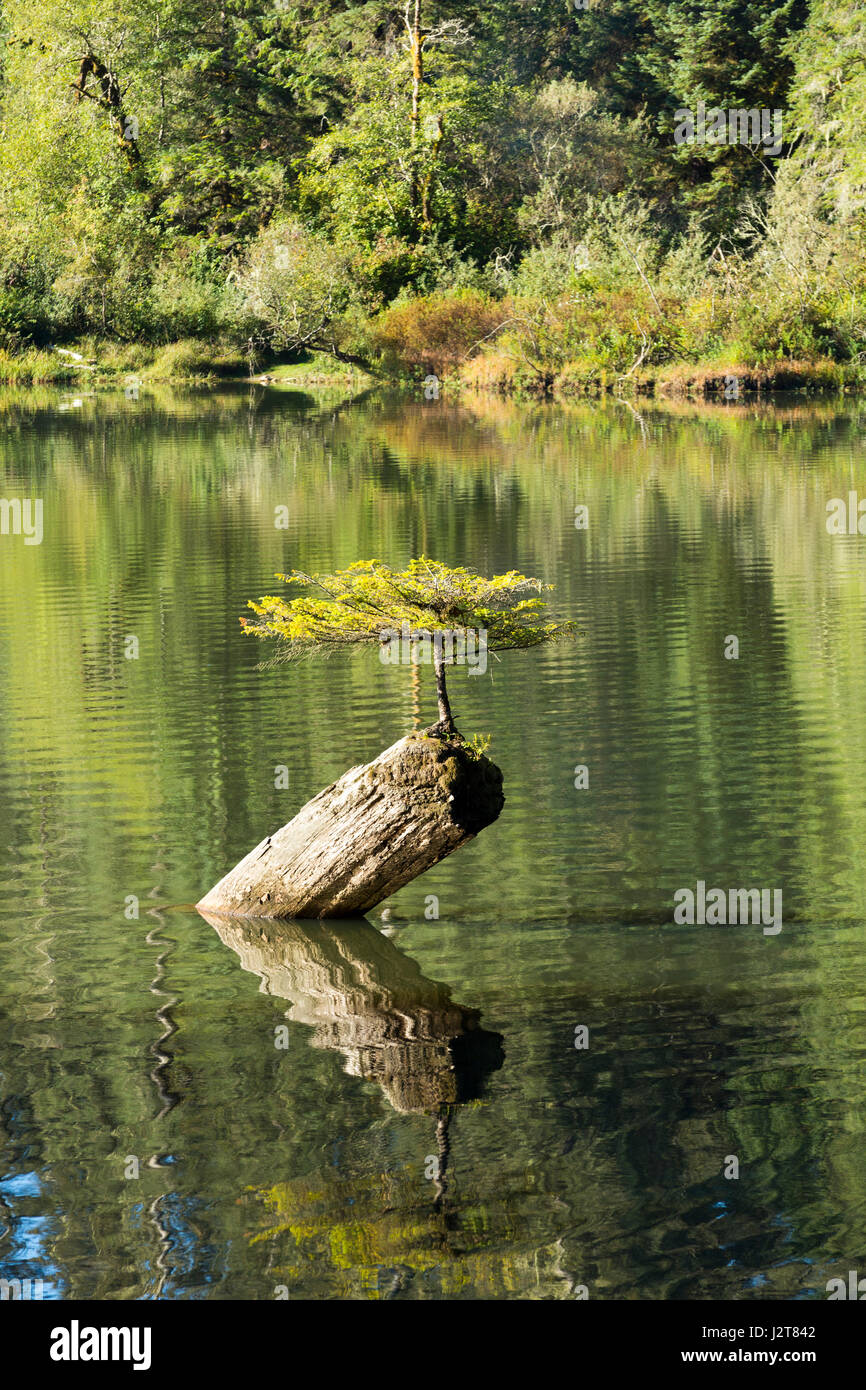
25	300
368	599
478	745
828	105
295	288
192	358
732	54
252	174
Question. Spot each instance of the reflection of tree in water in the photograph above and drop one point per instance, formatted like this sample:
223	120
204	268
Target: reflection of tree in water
368	1000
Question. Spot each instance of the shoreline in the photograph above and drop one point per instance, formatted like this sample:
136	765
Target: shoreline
731	383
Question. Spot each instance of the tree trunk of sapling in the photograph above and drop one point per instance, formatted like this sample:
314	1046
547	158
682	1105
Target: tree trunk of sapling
446	718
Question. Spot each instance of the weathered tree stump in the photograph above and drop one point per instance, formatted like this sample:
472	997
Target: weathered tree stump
366	835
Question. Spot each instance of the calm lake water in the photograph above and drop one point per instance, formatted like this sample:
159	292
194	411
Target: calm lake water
287	1096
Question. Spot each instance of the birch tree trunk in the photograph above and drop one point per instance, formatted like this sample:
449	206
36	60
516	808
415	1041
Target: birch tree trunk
366	835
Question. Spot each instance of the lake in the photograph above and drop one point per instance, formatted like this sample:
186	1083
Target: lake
551	1089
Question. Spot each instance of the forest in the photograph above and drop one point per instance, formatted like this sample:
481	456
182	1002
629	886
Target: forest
517	194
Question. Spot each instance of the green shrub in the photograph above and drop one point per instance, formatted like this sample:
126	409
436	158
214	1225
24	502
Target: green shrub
190	359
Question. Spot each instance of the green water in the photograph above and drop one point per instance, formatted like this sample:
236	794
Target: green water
310	1168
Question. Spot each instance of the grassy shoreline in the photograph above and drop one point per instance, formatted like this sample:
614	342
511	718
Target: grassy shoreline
182	363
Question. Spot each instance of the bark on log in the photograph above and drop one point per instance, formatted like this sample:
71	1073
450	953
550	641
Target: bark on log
366	835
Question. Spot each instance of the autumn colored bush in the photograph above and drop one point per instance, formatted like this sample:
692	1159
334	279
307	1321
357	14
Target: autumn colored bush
436	333
490	371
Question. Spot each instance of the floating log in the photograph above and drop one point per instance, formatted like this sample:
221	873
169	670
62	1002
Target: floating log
368	1000
368	834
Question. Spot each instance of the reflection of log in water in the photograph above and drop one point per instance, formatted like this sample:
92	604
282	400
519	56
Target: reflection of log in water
368	1000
